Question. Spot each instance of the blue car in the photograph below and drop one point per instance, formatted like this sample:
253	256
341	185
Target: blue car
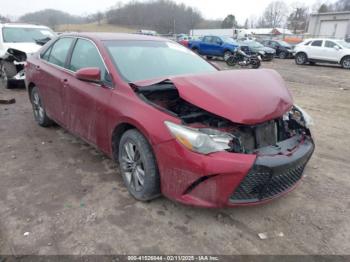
218	46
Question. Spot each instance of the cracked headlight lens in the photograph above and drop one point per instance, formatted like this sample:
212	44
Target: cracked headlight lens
200	140
299	115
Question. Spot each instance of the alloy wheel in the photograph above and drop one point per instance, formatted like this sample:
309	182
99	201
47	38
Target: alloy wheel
346	63
132	166
227	55
301	59
38	108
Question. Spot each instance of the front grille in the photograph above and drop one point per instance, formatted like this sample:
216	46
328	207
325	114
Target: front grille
263	183
269	55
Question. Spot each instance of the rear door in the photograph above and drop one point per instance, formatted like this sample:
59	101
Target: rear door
52	74
87	101
315	50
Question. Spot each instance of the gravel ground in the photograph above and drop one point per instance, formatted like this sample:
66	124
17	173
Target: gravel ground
71	200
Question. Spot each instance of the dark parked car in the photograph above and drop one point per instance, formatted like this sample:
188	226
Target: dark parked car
175	124
283	49
266	53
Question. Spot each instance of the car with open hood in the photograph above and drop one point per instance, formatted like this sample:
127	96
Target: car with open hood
17	42
175	124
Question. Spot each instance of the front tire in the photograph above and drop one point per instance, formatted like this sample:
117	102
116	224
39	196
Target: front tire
39	111
283	55
345	63
138	166
227	55
300	59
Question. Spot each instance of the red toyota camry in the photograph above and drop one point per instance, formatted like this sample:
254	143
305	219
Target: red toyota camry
176	125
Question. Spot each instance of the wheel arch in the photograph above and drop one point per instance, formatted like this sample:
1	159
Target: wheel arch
30	87
118	131
342	59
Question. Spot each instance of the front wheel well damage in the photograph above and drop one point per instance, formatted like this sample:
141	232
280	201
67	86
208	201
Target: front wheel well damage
31	85
117	135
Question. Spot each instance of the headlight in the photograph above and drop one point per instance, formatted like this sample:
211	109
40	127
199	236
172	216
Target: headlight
262	52
300	116
203	140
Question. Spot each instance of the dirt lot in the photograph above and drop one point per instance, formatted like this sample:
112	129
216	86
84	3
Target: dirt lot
71	199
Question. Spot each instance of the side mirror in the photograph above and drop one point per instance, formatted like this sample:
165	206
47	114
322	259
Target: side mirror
89	74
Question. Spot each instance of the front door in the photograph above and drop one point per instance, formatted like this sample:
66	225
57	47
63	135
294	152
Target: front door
86	100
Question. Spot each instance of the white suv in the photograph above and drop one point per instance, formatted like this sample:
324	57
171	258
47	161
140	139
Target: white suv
323	51
17	42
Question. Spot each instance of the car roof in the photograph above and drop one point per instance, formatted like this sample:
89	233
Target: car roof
22	25
322	39
115	36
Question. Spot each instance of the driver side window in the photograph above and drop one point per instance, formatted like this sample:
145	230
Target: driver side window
85	54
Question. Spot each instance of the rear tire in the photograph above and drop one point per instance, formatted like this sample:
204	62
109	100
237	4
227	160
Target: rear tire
283	55
255	63
345	62
300	58
39	111
231	61
138	166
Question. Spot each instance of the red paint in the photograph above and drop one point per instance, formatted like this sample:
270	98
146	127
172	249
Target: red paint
89	74
93	112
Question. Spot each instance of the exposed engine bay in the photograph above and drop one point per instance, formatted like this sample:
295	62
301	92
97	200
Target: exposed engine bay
248	139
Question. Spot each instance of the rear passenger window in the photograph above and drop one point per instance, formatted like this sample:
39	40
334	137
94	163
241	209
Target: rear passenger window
330	44
60	51
85	54
317	43
207	39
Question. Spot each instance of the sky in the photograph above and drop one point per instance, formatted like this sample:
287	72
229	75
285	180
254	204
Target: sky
210	9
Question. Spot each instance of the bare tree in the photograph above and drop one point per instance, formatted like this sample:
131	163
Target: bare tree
342	5
4	19
229	22
164	16
297	20
246	24
274	14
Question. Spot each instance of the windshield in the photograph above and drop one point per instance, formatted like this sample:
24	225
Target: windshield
228	40
343	43
25	35
254	44
143	60
285	44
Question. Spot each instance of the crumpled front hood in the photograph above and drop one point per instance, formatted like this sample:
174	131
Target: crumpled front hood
27	48
242	96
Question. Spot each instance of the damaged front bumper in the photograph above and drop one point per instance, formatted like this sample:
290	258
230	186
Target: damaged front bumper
226	179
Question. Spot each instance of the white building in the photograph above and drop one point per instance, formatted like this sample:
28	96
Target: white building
333	24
